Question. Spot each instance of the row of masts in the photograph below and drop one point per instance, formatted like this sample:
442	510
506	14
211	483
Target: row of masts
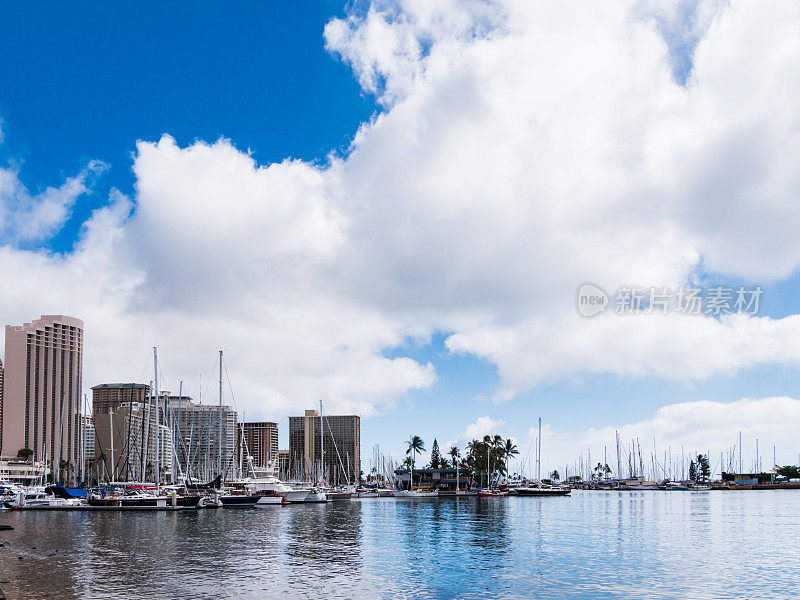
155	413
631	462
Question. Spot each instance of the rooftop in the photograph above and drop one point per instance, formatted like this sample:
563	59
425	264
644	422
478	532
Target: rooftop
120	385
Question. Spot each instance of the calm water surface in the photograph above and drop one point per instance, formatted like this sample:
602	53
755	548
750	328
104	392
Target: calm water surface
650	545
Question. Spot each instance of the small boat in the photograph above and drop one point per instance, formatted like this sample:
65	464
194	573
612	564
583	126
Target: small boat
42	501
338	496
239	500
316	495
549	490
412	494
143	501
385	493
489	494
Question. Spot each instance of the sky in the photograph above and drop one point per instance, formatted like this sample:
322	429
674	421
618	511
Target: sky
391	205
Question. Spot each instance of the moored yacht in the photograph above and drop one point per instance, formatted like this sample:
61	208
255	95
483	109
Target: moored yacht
264	482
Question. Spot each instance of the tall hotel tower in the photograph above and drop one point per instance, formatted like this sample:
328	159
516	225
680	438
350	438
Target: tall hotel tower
41	388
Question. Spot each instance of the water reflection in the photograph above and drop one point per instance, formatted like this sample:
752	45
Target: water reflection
610	545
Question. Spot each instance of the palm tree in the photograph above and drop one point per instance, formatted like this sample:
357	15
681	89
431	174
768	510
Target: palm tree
487	445
510	449
415	446
455	455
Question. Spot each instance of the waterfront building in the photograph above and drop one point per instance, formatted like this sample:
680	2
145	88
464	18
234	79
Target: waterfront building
87	435
42	388
261	441
1	403
748	478
434	479
341	462
22	471
113	395
127	446
196	430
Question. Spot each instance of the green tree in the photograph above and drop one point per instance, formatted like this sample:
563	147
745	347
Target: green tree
692	471
436	457
25	453
64	470
454	454
415	446
509	450
554	476
790	471
703	470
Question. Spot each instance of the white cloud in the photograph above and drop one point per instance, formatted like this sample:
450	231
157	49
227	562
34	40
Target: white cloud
482	426
26	217
701	427
522	151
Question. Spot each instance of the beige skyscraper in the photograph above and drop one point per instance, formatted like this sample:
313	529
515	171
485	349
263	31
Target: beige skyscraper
261	441
341	448
1	405
42	388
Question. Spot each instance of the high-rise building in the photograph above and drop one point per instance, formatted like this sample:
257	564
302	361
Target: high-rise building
88	435
341	444
1	403
130	452
113	395
42	388
261	442
197	436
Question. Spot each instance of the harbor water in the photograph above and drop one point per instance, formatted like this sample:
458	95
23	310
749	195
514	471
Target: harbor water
653	545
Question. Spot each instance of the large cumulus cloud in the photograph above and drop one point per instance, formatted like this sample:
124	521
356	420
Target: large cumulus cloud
521	150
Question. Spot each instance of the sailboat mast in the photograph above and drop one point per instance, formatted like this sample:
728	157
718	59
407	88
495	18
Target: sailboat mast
539	456
111	430
158	419
321	441
219	456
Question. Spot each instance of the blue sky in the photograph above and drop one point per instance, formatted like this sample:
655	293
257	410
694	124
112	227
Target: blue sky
86	82
82	83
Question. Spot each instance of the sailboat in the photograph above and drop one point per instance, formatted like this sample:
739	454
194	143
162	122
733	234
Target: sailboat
541	489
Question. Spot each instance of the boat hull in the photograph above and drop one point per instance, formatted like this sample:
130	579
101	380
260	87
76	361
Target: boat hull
543	492
338	496
144	503
238	501
271	501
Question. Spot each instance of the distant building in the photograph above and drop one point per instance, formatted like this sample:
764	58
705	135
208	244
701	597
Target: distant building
283	464
197	436
748	478
113	395
42	388
342	447
130	452
261	442
433	479
1	403
86	432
